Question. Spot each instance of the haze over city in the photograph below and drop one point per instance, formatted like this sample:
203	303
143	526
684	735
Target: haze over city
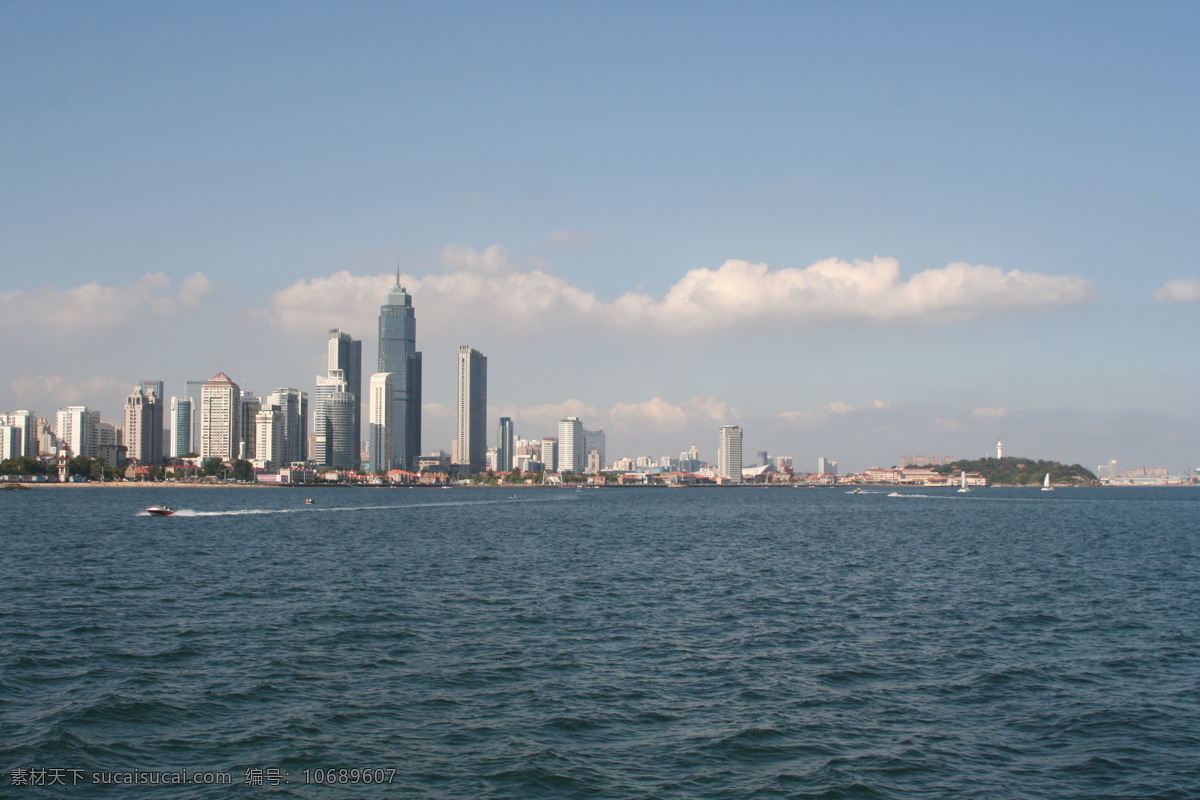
855	230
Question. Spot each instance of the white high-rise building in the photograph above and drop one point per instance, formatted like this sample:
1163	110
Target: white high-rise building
78	429
382	425
10	442
570	445
550	454
27	439
268	438
729	453
471	444
221	418
334	443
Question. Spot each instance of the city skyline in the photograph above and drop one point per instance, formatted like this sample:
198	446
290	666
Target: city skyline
978	226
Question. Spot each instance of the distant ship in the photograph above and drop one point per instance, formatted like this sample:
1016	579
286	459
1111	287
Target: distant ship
159	511
1046	487
962	486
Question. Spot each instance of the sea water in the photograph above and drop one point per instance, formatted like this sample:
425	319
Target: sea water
617	643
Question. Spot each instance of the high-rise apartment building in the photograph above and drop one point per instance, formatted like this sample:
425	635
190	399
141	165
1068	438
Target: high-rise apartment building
729	453
144	424
505	443
334	441
398	355
221	418
268	438
550	454
380	423
78	429
471	443
10	442
26	427
293	404
345	355
570	445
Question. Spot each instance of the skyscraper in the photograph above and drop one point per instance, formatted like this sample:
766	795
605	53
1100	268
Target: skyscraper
26	443
570	445
268	438
78	429
293	404
595	442
345	355
182	412
144	425
194	388
505	440
471	444
334	443
221	418
380	424
729	453
398	355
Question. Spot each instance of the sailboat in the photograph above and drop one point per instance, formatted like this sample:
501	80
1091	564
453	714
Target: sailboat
962	486
1046	487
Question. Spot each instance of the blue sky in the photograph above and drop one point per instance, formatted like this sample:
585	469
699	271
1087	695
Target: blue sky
622	205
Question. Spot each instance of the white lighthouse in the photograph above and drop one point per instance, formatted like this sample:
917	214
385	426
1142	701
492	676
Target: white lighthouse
999	450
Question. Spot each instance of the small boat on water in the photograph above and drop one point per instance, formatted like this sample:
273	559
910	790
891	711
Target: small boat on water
1046	487
309	501
159	511
962	487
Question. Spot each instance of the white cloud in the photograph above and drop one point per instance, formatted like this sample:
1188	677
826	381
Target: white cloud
494	259
837	292
1184	290
990	413
92	308
37	390
669	417
483	287
814	417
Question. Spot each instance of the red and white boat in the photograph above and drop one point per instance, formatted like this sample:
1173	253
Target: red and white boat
159	511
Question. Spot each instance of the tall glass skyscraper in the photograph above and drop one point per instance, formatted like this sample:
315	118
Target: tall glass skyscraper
471	444
505	441
398	355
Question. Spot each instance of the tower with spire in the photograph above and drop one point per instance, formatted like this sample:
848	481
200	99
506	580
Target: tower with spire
398	355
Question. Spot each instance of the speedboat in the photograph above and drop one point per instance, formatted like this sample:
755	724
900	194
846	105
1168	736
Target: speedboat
309	500
159	511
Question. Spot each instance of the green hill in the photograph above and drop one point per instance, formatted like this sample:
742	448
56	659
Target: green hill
1009	471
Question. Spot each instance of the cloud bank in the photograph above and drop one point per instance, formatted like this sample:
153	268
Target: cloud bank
93	307
737	296
1185	290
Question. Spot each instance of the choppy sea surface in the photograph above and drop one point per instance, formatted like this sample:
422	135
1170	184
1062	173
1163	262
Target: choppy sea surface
617	643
